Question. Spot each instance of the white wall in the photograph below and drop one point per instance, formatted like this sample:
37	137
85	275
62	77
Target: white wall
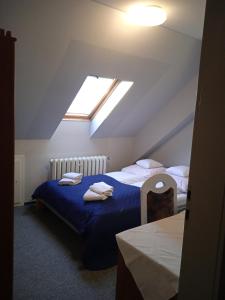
70	139
169	119
177	150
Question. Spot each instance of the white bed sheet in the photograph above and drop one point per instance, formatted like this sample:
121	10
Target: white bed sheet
145	173
135	174
125	177
152	253
181	201
138	180
181	197
182	183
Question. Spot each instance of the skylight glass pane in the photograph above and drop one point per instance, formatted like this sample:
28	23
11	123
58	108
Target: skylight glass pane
90	94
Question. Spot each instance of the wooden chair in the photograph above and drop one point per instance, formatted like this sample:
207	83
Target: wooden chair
158	198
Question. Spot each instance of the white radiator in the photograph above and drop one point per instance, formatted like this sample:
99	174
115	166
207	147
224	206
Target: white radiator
87	165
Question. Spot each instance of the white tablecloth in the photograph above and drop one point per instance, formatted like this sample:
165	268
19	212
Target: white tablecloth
152	253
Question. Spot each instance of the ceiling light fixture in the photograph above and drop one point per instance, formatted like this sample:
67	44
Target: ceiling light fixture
146	15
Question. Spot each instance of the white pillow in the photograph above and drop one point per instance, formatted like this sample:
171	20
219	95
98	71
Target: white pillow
178	171
148	163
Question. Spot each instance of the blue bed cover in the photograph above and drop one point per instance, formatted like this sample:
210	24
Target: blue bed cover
96	221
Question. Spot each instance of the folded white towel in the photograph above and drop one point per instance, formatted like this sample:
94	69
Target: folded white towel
92	196
102	188
73	175
68	181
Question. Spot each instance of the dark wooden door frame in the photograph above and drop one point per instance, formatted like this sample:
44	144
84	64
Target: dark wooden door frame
201	275
7	49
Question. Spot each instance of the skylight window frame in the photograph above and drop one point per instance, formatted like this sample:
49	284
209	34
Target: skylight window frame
90	116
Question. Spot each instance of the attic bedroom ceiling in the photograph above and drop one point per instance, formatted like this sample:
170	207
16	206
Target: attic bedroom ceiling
184	16
59	43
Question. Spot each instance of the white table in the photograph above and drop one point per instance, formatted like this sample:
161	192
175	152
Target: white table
152	253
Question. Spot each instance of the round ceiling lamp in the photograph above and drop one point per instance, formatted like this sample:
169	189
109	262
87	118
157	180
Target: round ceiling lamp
146	15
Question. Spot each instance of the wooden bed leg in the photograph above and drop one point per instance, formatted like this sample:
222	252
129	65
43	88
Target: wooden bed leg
39	204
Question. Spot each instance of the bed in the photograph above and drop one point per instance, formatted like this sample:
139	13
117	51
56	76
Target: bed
98	221
136	176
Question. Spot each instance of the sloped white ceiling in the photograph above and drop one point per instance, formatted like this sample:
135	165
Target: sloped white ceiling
137	109
60	42
81	60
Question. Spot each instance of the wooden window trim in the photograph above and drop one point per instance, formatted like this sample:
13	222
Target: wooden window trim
104	99
71	117
77	117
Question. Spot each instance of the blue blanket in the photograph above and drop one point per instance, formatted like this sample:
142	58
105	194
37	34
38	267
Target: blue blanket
96	221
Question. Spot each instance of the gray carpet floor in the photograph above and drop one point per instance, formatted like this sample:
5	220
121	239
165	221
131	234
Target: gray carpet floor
47	261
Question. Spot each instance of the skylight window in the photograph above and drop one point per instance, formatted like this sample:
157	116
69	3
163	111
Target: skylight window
114	99
94	92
